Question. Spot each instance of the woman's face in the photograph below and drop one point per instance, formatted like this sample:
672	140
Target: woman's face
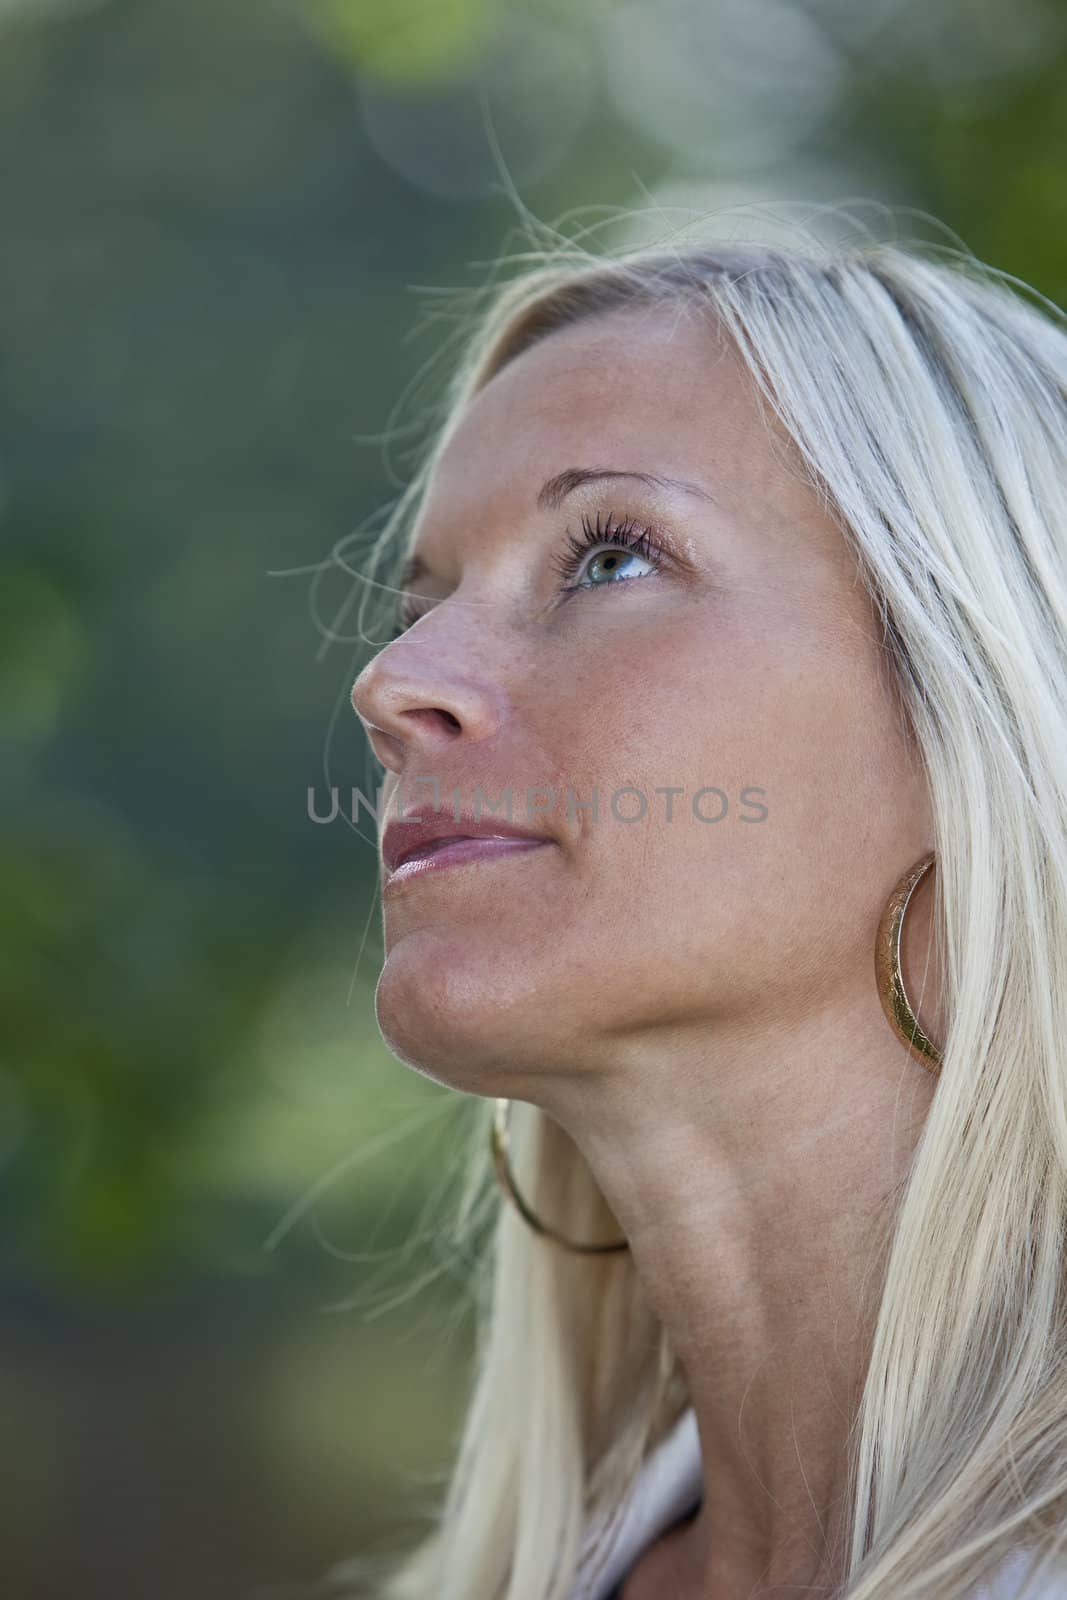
722	689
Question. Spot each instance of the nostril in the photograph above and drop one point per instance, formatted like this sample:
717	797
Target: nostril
436	714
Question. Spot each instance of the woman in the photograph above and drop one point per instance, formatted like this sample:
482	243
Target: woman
733	628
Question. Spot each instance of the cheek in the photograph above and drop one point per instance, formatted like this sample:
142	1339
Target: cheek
685	706
778	736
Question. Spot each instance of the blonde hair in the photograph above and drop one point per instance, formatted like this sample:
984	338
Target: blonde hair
927	401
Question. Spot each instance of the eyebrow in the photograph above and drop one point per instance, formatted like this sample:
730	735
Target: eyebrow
555	490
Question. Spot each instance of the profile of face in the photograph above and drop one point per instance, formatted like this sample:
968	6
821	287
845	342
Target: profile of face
684	635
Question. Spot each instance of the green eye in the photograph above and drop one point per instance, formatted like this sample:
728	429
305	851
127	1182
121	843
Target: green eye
626	541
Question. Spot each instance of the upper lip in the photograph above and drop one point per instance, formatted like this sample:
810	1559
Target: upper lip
420	827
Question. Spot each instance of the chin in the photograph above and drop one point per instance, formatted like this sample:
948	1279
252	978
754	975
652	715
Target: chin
461	1014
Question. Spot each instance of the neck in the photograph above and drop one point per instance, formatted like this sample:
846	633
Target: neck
758	1202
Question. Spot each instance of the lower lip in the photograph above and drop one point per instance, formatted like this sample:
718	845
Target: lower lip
453	855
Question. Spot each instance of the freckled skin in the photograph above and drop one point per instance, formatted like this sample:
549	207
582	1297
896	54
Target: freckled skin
760	672
694	1002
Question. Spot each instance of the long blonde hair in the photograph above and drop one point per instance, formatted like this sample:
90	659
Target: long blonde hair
926	395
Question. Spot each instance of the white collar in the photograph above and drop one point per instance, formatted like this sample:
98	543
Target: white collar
670	1482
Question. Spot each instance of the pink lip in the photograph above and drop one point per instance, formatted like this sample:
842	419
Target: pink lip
414	833
453	851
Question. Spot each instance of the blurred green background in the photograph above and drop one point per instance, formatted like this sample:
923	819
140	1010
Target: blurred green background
234	1343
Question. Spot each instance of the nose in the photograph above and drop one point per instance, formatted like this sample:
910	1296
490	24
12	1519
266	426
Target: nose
414	706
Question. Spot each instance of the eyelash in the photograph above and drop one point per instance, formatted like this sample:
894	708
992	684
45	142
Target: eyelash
625	534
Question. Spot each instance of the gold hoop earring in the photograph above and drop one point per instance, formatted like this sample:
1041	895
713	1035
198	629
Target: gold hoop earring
499	1144
895	1004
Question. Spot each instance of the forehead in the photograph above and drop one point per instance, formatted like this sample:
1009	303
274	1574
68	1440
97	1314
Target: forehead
647	378
651	389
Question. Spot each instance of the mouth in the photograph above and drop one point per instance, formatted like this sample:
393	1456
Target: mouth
456	850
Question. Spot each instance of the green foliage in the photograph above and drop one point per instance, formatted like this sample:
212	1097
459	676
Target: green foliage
406	41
